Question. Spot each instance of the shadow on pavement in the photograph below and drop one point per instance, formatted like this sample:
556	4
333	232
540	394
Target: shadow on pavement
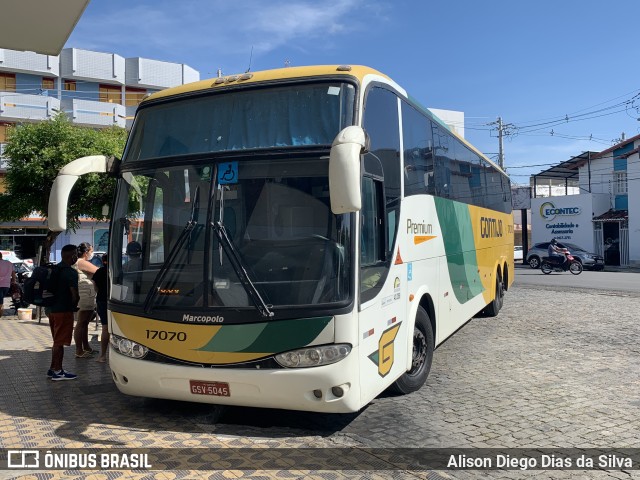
90	409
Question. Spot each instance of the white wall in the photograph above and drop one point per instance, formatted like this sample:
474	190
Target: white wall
544	188
92	66
601	175
83	234
574	224
633	186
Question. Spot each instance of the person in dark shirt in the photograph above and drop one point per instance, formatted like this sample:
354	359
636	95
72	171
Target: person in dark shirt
61	312
556	253
101	282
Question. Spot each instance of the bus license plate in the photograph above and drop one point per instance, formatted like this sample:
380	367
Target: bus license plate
219	389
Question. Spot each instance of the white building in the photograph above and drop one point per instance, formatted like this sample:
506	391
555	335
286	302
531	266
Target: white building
605	216
94	89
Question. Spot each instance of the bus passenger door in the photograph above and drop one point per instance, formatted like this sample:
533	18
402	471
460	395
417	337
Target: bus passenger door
382	287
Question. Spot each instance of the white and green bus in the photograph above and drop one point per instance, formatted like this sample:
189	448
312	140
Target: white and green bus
306	238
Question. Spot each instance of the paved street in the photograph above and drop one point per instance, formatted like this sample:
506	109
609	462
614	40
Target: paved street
624	281
534	377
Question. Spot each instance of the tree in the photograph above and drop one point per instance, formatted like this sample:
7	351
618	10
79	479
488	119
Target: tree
37	151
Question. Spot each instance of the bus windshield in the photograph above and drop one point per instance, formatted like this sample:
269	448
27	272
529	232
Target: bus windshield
294	115
281	242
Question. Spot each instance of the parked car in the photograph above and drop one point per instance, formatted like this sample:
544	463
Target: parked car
589	260
517	253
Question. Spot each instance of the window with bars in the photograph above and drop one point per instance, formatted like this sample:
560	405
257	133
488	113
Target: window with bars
133	96
110	94
620	182
48	83
7	82
3	132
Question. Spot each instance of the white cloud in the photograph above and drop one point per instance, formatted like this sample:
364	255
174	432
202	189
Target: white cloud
170	29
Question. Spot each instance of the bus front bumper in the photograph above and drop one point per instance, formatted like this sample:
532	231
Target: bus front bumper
329	388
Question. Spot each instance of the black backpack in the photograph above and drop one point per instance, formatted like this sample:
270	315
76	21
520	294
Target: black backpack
40	288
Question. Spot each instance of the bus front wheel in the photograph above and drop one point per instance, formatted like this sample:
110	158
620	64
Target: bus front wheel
422	355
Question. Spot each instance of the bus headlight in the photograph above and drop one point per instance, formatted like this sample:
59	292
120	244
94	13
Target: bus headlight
314	356
127	347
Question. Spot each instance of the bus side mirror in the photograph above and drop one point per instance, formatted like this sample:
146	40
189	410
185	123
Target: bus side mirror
64	182
344	170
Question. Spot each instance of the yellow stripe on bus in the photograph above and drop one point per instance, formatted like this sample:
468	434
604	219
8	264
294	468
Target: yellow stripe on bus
418	239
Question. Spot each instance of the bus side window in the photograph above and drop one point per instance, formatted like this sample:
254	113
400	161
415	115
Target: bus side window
381	122
418	152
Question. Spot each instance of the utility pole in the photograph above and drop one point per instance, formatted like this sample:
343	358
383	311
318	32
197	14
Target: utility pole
503	129
500	145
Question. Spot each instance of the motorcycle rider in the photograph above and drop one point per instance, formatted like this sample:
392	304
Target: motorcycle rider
555	253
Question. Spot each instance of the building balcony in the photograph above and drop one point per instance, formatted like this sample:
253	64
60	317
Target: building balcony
95	114
17	107
76	64
155	74
29	62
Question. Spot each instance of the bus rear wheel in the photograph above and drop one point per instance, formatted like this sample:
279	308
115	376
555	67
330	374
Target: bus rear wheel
422	356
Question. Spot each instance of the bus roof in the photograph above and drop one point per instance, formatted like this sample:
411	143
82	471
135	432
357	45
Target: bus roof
355	71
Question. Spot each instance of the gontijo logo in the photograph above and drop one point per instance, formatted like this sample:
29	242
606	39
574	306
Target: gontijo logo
548	211
490	227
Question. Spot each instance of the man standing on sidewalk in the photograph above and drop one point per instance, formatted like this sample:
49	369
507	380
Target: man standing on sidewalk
61	313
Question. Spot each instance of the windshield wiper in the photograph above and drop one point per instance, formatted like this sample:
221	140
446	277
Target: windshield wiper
173	253
236	263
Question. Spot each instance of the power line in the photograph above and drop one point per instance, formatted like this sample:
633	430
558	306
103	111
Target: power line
590	113
635	94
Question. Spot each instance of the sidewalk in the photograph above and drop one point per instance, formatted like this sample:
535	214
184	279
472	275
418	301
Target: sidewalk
90	413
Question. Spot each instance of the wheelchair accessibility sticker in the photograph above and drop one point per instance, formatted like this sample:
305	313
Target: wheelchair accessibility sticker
227	173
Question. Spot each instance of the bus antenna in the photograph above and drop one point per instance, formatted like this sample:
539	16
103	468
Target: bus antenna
250	59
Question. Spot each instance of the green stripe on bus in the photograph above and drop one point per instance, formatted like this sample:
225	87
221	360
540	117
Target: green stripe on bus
459	246
273	336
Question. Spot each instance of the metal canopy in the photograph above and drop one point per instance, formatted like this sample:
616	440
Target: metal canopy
566	170
39	26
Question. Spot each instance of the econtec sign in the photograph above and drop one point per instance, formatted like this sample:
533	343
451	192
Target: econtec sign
549	211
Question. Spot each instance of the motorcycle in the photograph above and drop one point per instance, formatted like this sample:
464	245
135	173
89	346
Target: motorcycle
551	264
17	301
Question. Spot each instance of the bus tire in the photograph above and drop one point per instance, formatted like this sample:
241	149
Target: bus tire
495	306
422	356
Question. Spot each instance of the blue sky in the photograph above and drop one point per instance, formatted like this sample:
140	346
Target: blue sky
566	67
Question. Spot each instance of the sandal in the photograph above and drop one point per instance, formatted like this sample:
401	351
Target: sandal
85	354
